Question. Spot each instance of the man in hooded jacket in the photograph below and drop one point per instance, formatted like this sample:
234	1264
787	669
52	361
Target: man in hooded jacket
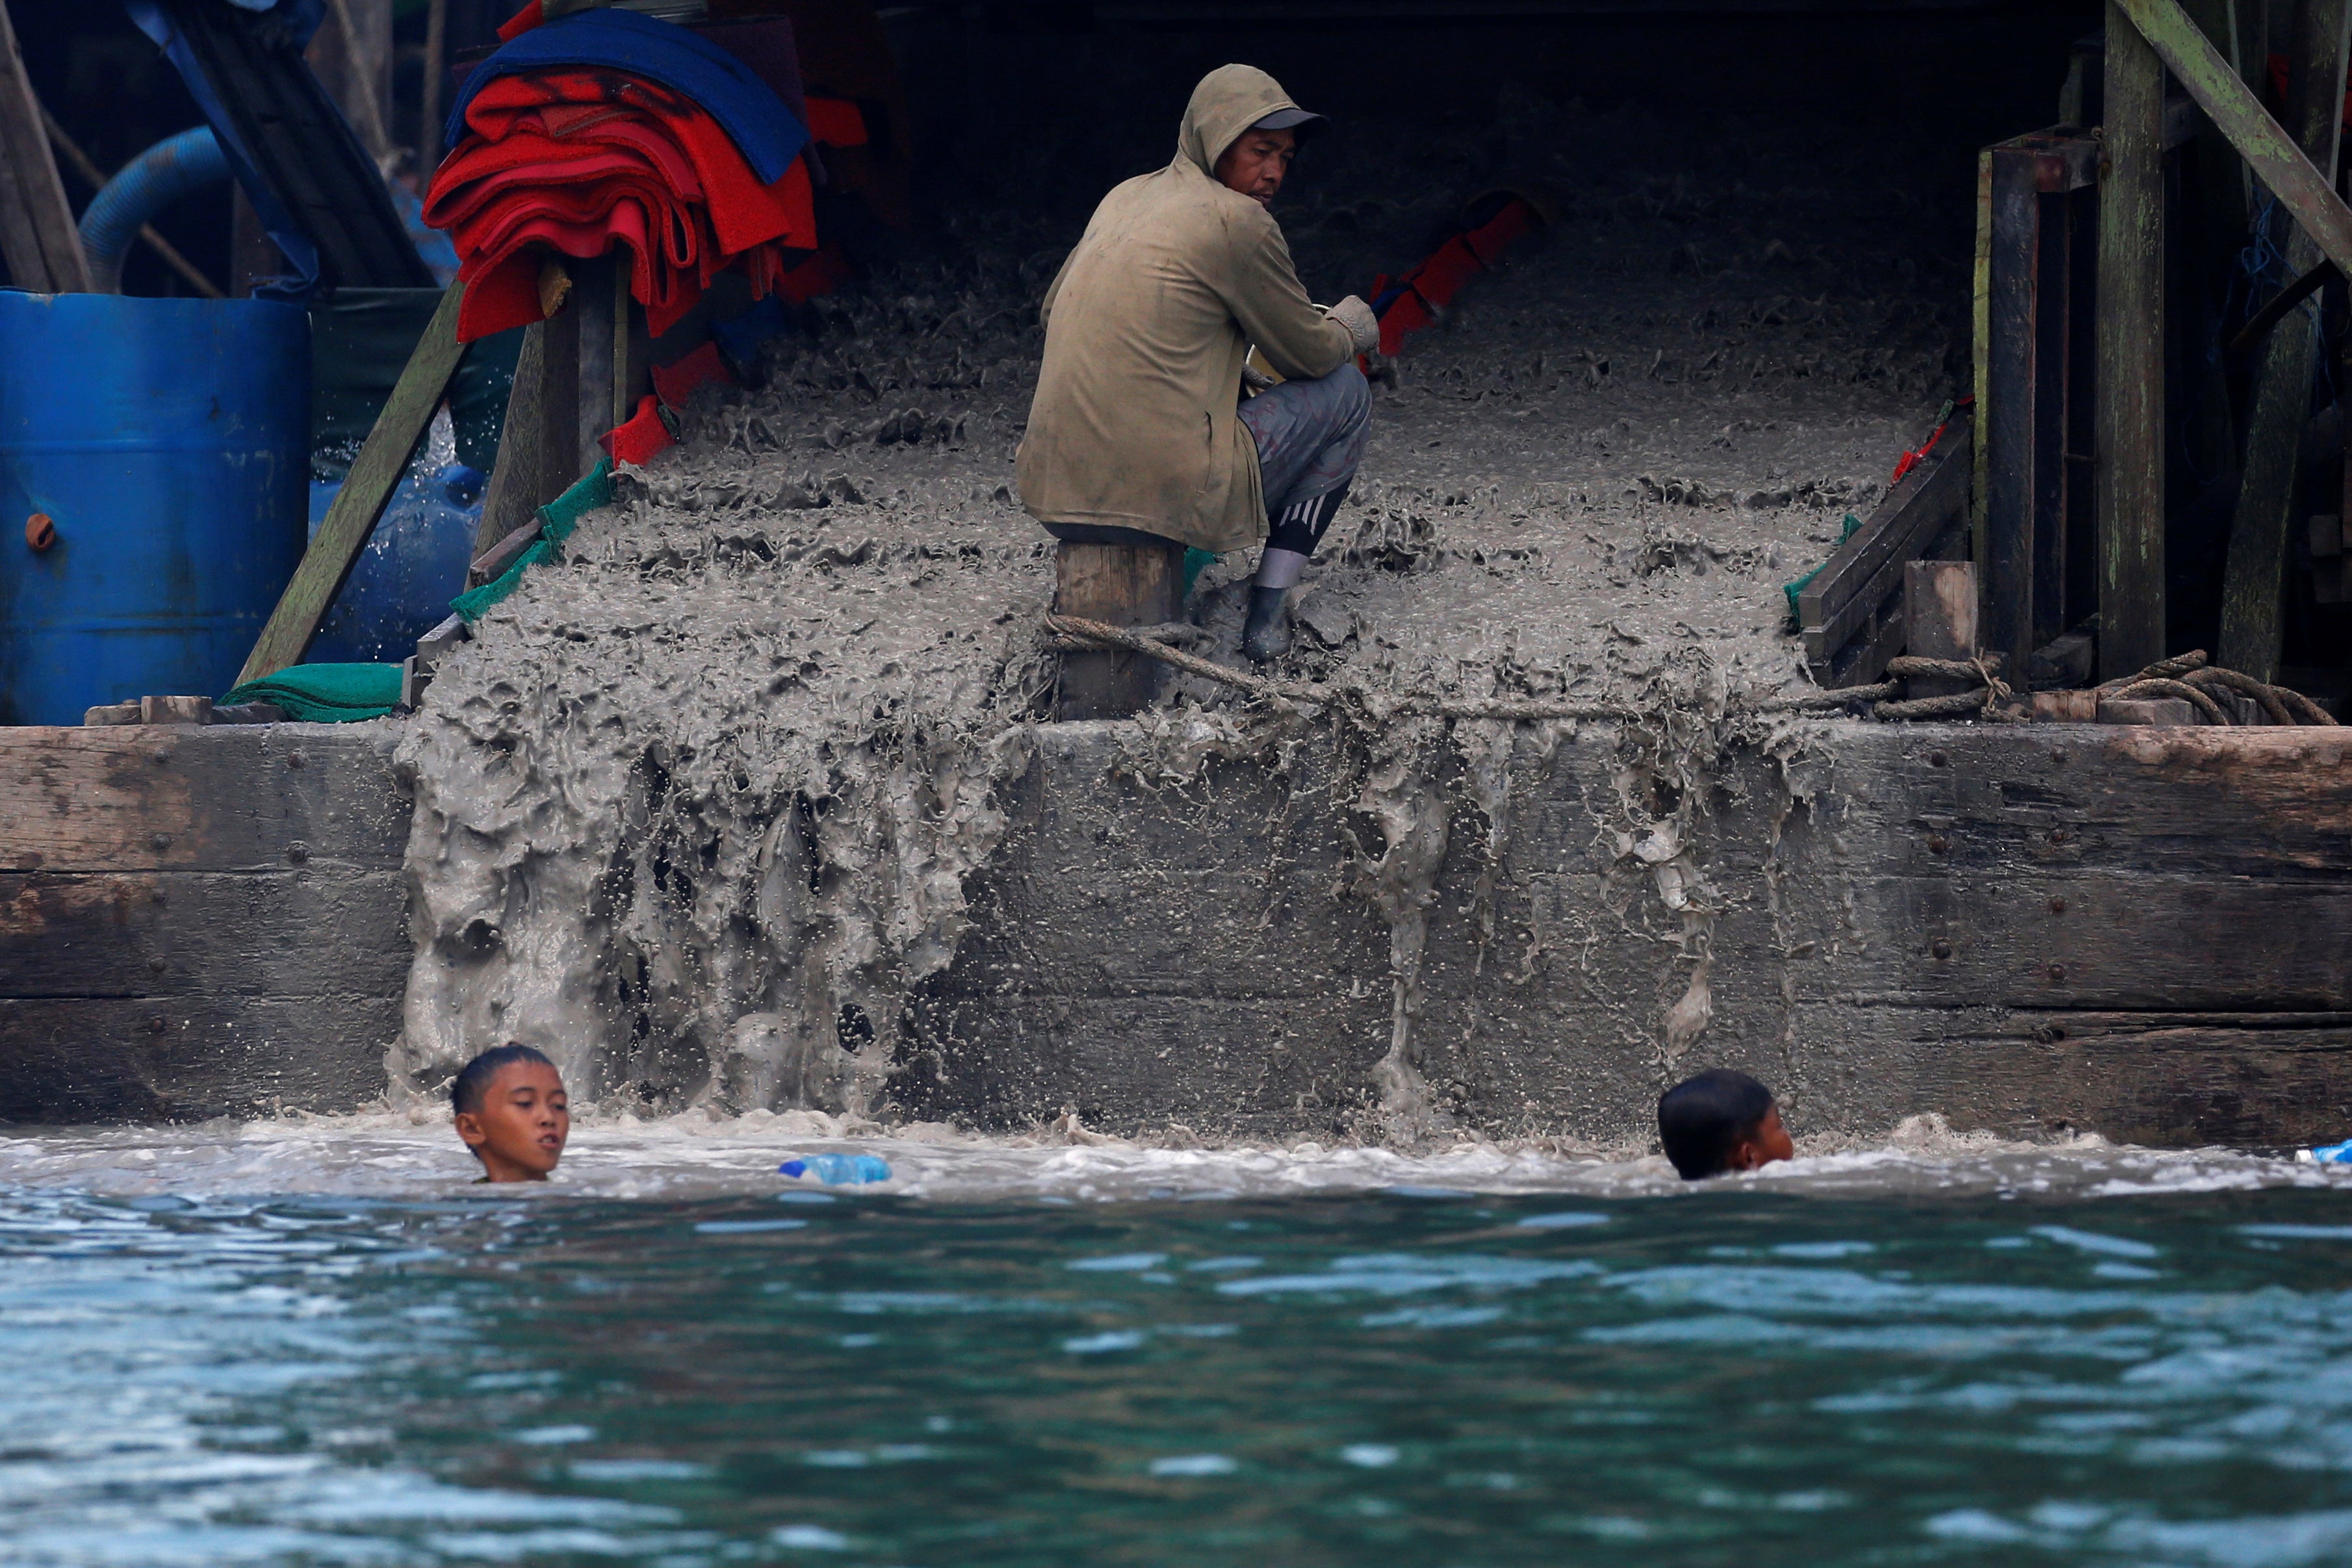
1137	433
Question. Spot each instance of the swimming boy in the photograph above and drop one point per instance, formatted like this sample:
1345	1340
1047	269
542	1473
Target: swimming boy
512	1112
1721	1120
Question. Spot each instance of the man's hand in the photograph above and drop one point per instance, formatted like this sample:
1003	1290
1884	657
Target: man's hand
1357	316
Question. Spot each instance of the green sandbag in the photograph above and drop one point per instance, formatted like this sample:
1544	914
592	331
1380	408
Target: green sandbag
325	694
556	521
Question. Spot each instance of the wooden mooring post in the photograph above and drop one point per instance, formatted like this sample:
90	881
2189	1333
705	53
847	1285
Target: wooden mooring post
1121	585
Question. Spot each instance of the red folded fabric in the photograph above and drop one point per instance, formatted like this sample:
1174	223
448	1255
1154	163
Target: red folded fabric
677	383
836	123
581	161
643	439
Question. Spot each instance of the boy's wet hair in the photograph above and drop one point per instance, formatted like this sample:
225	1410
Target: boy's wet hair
1701	1118
473	1080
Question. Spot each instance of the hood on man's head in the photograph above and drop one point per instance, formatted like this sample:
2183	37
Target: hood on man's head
1229	100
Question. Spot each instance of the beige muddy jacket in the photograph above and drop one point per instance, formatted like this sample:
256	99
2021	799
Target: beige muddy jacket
1146	327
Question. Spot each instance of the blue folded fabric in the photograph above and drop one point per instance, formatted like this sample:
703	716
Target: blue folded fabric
746	108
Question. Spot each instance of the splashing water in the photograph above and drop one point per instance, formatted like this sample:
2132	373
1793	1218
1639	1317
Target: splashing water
1954	1350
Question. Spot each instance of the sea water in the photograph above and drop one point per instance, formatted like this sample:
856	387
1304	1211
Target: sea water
293	1344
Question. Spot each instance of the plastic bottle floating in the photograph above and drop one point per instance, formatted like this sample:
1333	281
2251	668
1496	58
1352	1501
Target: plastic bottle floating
839	1170
2327	1154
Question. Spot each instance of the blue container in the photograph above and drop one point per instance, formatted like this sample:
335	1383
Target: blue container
168	440
414	563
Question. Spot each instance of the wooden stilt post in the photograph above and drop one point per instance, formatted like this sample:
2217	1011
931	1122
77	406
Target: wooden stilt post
2255	583
2131	355
1121	585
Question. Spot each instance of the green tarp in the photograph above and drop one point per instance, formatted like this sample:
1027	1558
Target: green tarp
325	694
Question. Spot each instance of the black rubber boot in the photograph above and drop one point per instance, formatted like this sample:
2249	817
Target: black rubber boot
1266	634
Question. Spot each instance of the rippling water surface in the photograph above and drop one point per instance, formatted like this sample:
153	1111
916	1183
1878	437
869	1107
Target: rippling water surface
1866	1360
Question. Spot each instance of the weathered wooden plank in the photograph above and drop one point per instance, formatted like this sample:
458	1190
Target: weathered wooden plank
2254	577
2274	157
311	930
187	1059
2131	350
2173	1087
38	237
2195	802
130	799
1866	572
2093	935
374	474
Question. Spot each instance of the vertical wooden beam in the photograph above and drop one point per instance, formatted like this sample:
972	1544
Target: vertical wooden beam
436	69
1980	365
1121	585
597	293
2131	355
559	460
38	237
2011	405
2254	583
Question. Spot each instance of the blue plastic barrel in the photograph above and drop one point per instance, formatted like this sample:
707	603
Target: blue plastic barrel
168	442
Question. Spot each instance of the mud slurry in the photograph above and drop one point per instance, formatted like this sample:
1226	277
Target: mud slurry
696	809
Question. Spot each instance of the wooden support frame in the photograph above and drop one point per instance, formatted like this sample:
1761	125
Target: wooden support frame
1851	613
2254	578
2037	228
38	236
2270	152
374	474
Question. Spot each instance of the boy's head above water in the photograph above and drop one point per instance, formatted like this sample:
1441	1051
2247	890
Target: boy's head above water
1721	1120
512	1112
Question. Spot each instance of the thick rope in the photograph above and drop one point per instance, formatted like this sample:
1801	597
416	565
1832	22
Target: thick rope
2160	689
2262	693
2166	678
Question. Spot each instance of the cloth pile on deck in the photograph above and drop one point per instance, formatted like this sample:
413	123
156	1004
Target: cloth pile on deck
609	129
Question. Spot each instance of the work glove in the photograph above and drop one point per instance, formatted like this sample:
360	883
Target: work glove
1254	380
1357	316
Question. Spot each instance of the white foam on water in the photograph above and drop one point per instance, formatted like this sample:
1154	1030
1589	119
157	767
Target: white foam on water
412	1154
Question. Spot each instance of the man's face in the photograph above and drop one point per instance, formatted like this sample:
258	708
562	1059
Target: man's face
1256	164
522	1126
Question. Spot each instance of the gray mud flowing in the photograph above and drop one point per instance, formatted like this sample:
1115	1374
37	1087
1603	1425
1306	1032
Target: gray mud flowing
697	809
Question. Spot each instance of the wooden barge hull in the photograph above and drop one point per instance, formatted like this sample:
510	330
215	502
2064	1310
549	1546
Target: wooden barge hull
2141	932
